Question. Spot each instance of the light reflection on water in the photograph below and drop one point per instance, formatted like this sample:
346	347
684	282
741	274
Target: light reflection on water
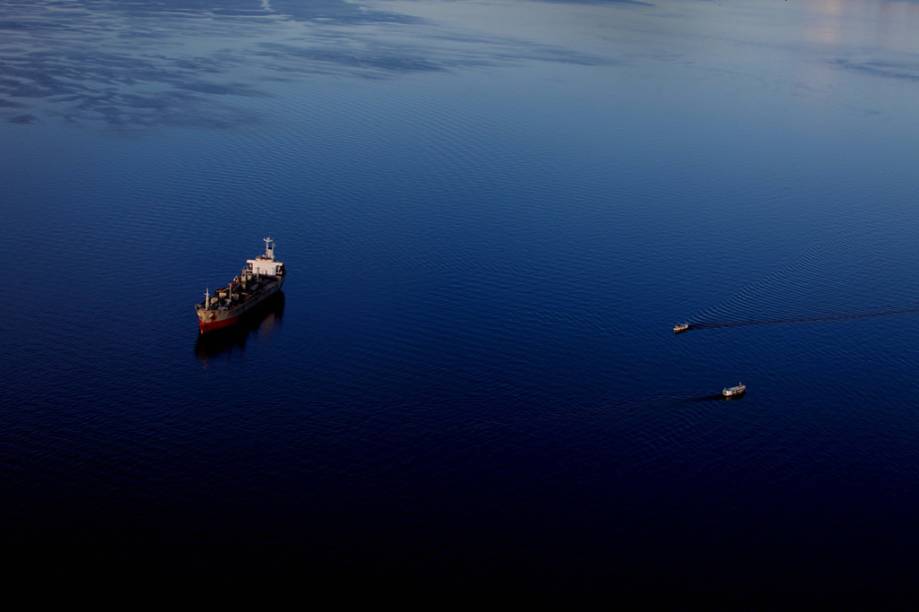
186	63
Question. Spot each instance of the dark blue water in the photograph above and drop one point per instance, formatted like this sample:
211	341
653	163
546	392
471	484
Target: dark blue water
492	214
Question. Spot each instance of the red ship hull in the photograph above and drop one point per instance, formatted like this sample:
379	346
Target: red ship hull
211	320
204	327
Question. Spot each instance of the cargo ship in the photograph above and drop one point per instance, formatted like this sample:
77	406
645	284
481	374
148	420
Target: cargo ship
262	278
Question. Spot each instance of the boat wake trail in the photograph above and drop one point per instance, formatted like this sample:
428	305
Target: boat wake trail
823	318
716	397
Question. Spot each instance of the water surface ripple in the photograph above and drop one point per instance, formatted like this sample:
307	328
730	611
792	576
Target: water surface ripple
490	230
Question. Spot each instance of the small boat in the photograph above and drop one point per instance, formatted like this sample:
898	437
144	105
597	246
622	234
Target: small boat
736	391
679	328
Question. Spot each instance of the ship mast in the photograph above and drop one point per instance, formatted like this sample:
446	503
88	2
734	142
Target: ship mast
207	298
269	248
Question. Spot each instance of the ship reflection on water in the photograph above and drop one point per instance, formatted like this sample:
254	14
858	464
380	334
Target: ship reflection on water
263	321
